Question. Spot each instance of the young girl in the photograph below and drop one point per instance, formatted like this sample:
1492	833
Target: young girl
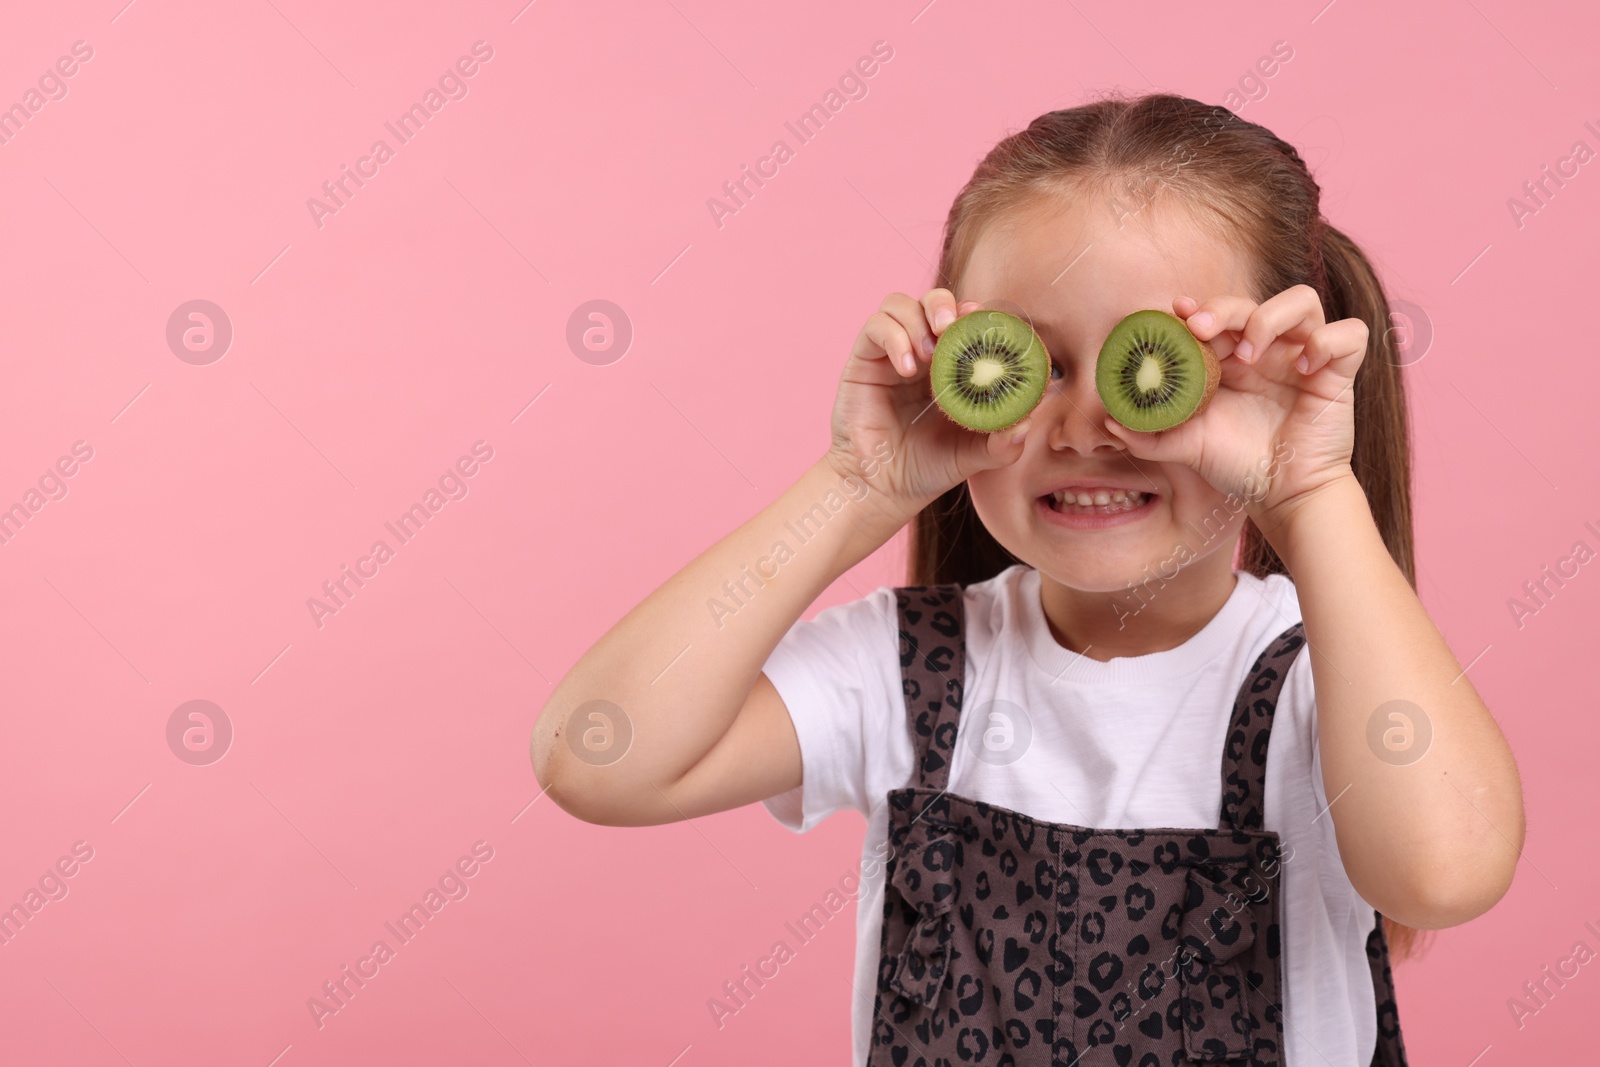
1133	795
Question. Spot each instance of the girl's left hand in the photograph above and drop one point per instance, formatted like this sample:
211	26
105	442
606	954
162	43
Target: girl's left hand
1281	423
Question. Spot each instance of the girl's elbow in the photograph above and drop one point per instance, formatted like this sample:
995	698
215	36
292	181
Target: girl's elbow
1457	905
1449	894
577	795
557	782
596	795
1463	883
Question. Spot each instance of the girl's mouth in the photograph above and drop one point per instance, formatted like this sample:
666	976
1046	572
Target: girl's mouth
1094	509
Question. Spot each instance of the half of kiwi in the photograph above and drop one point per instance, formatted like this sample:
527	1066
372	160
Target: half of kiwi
1153	374
989	370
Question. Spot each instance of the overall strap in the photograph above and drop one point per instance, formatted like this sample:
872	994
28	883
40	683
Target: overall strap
1390	1048
1244	755
932	673
1244	766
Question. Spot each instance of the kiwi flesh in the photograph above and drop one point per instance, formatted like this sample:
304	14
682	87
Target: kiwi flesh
1153	374
989	370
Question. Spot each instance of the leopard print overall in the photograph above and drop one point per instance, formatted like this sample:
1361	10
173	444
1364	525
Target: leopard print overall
1012	941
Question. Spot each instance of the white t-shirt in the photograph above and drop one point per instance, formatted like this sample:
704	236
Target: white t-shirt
1132	742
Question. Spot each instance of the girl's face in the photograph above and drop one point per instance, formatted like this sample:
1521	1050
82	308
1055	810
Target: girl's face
1074	267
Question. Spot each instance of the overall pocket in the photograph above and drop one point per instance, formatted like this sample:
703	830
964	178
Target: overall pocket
924	877
1217	931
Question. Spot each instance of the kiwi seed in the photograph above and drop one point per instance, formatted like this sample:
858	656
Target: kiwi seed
1153	374
989	370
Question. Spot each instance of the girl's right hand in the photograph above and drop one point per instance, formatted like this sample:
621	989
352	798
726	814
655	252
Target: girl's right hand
886	425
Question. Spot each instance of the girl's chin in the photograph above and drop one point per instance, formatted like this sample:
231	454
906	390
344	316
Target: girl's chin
1115	579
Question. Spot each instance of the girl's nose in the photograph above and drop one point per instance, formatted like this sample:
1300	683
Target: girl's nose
1075	415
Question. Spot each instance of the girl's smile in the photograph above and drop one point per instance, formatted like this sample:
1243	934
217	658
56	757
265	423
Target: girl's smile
1096	504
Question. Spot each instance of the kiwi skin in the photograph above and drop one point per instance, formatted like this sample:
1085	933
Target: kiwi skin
1213	375
1208	355
947	349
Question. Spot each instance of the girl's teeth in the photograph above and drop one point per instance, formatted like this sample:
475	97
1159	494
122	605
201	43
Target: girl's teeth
1110	499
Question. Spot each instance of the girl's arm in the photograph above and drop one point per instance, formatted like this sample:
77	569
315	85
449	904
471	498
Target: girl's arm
1429	842
708	730
1432	842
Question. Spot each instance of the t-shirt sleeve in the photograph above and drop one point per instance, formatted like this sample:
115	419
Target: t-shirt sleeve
1302	686
838	674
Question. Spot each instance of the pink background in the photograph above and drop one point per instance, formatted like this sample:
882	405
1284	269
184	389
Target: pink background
371	352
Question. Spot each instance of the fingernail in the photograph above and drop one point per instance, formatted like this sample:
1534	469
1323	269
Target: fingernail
1019	431
942	318
1303	363
1201	320
1244	350
909	362
927	345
